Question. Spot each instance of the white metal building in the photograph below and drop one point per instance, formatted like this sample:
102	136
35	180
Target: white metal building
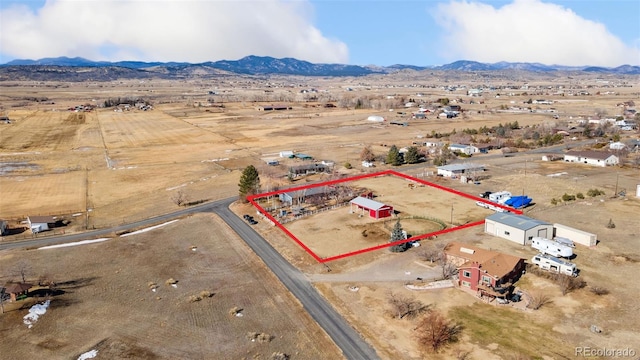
591	157
576	235
459	169
517	228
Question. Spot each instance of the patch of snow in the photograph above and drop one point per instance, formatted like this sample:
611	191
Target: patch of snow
174	285
83	242
176	187
148	229
35	312
88	355
239	314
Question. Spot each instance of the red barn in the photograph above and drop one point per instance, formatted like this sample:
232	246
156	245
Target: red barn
376	209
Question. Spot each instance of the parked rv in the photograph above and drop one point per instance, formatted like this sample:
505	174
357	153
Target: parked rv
553	264
500	196
551	247
564	241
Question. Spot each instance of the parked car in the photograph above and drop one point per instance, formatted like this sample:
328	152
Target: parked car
252	222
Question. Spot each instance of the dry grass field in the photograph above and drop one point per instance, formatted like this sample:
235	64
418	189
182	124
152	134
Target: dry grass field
116	167
108	304
420	209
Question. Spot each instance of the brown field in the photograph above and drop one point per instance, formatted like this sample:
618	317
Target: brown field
108	305
118	167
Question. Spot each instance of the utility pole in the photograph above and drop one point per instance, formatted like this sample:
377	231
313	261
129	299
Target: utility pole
615	194
451	222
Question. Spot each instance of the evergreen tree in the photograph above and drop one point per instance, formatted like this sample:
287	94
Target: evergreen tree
412	156
249	182
397	234
394	157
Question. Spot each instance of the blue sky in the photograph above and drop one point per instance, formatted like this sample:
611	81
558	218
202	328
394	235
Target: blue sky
362	32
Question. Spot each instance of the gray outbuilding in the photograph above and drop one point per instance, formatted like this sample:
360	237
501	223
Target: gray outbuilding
517	228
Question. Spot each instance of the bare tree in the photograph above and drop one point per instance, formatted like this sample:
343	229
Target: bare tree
448	268
537	299
431	252
434	331
569	283
180	198
367	154
22	269
405	307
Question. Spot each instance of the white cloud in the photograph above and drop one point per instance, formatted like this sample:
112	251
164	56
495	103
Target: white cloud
166	30
528	31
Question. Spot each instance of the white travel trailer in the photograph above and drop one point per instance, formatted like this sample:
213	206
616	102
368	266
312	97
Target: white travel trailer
564	241
551	247
553	264
500	196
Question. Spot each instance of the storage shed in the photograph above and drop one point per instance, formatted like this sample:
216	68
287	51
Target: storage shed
576	235
377	210
516	228
40	223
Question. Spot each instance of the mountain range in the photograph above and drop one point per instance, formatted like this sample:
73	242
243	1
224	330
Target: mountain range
264	65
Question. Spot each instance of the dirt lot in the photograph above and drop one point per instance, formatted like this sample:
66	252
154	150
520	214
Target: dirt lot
108	305
109	167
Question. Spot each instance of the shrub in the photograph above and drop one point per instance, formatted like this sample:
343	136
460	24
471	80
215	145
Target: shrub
611	224
347	165
554	201
580	196
279	356
567	197
568	283
599	290
434	331
594	192
537	299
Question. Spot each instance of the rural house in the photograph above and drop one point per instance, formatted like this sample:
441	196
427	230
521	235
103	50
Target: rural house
591	157
489	272
459	169
299	196
40	223
307	169
516	228
377	210
465	149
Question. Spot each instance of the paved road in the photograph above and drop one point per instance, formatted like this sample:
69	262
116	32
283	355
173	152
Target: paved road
351	343
346	338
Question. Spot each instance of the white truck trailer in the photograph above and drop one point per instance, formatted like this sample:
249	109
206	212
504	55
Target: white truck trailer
551	247
553	264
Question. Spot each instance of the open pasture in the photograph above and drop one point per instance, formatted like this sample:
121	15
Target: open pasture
107	303
345	231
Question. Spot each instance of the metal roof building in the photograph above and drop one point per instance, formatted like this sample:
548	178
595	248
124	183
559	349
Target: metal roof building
376	209
458	169
517	228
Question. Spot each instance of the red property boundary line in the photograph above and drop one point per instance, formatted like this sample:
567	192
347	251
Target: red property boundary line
252	199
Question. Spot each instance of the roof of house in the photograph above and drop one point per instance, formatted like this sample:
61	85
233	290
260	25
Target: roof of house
308	192
367	203
41	219
516	221
17	288
493	262
460	146
463	166
591	154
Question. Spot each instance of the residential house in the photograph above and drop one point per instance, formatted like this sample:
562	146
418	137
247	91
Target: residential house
463	148
592	157
489	272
